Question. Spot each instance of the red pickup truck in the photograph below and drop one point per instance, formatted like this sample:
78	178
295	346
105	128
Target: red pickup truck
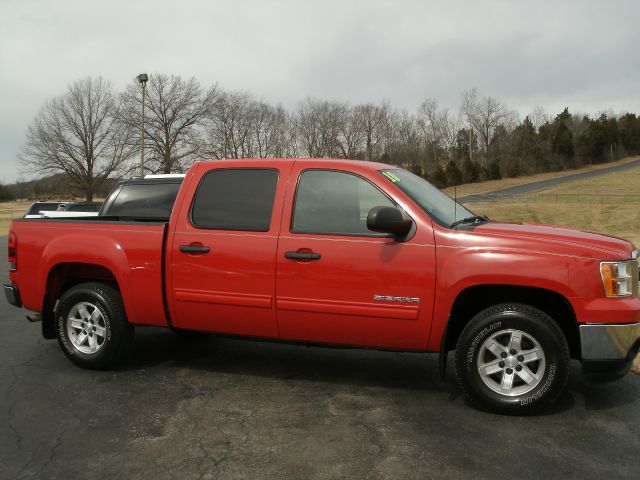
338	252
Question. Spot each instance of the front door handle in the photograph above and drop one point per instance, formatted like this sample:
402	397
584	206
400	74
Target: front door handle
194	249
302	255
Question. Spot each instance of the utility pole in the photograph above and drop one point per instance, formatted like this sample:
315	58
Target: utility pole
142	78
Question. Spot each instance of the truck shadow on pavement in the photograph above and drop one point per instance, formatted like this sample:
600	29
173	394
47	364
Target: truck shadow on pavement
155	348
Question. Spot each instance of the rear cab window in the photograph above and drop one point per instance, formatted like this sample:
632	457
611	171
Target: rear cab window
150	200
238	199
42	207
84	208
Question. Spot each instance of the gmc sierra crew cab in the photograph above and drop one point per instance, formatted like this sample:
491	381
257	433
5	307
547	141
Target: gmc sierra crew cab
343	253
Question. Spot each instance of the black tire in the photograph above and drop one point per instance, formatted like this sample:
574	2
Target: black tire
506	391
104	303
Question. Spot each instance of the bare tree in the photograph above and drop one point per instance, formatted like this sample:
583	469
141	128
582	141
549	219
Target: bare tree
79	134
265	130
286	143
375	123
449	126
239	126
484	114
350	134
429	123
406	140
538	117
318	125
230	125
175	111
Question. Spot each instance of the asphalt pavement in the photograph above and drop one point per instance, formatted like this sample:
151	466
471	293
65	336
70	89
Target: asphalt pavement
551	182
220	408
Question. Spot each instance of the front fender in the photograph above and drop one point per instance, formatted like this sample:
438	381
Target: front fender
459	269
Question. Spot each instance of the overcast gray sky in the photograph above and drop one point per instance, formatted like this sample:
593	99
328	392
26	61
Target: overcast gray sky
582	54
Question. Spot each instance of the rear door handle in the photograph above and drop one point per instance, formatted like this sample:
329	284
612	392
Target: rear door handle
194	249
302	255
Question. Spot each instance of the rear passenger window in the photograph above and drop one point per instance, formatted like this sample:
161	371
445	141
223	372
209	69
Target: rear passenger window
235	199
335	203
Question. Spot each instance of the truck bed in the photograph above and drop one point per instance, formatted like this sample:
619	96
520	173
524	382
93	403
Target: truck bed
132	250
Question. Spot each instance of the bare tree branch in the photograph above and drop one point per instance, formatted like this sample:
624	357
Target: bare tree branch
79	133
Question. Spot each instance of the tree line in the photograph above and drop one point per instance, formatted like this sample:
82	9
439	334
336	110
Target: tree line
92	134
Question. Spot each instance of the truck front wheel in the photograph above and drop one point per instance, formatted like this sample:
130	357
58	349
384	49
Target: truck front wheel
92	326
512	358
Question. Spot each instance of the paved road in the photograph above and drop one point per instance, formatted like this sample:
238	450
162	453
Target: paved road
530	187
224	408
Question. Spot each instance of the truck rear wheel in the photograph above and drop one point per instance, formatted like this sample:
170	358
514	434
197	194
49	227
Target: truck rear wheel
92	326
512	358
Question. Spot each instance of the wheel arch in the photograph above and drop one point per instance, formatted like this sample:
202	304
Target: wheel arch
476	298
63	276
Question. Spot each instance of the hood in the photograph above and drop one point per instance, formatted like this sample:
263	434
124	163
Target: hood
557	239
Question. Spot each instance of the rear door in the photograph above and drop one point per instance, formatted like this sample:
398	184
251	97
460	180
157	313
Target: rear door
223	263
338	282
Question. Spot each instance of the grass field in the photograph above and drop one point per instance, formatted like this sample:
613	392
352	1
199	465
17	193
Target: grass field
9	211
620	220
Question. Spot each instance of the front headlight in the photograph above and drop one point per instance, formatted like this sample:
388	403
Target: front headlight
620	279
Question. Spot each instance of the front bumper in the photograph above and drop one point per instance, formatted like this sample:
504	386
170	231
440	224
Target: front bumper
13	295
609	350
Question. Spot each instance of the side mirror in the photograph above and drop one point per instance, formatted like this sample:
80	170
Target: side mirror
388	220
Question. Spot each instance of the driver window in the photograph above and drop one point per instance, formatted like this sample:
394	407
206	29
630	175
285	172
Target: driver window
335	203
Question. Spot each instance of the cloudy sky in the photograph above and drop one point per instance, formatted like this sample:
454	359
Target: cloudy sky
582	54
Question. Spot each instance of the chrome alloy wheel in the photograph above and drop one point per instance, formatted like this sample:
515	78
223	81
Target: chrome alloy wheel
511	362
86	327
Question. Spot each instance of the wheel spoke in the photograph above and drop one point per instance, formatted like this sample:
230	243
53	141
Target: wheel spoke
81	338
515	343
95	315
527	375
93	345
100	331
84	313
507	381
531	355
76	323
495	348
490	368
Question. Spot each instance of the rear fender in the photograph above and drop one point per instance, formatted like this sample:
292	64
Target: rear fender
101	251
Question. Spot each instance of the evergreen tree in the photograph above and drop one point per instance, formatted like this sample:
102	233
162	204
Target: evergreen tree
562	140
453	173
629	133
439	178
493	172
470	171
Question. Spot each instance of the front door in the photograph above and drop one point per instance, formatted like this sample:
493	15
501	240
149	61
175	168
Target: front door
223	250
340	283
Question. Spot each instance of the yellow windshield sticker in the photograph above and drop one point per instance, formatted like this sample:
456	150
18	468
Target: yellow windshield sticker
391	176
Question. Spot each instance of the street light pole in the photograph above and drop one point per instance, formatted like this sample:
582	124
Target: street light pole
142	78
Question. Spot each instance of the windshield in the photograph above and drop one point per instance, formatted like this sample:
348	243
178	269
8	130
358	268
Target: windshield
439	206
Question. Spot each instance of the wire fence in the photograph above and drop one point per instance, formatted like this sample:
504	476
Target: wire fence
10	214
589	198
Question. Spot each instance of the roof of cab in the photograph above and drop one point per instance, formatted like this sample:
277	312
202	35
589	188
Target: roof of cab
311	162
